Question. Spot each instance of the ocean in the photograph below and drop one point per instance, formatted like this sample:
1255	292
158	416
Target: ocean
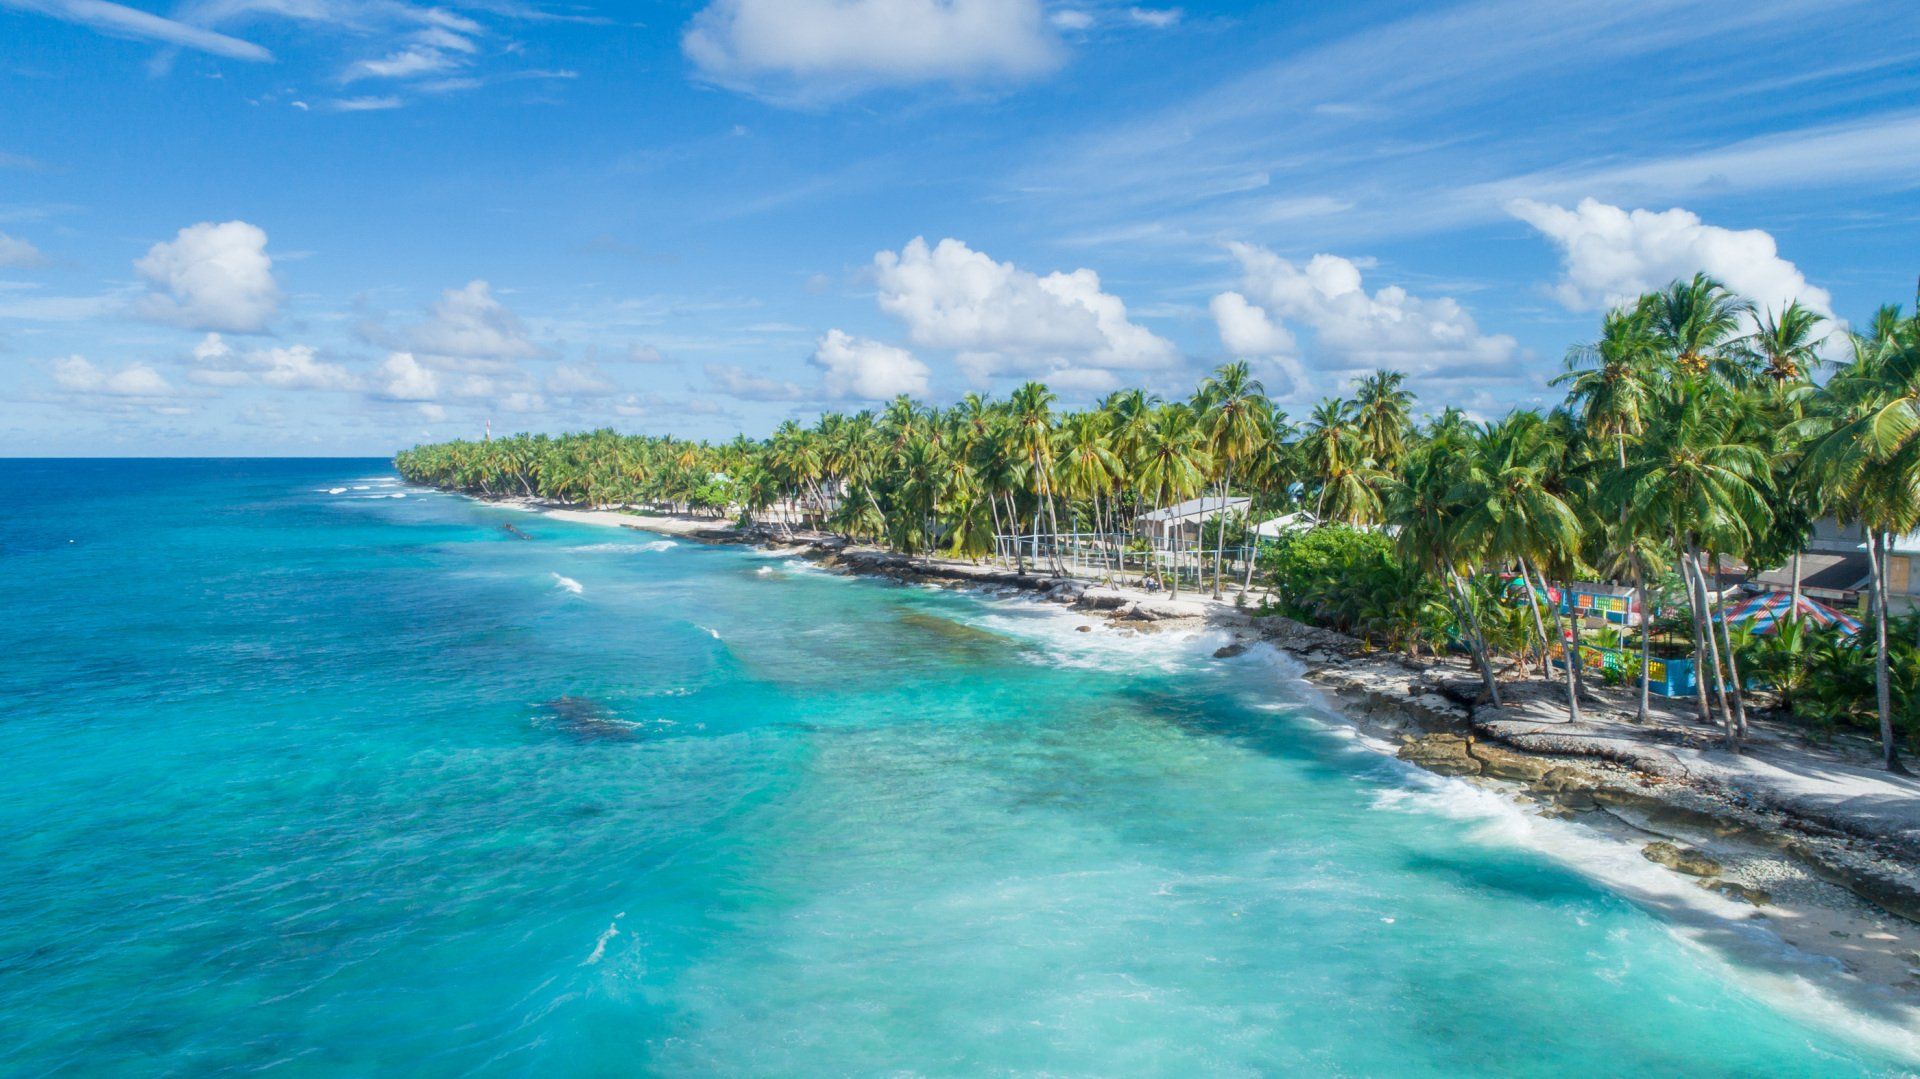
308	770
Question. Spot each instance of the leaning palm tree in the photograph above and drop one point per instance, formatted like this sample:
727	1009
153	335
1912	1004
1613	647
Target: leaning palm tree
1693	479
1235	414
1427	504
1865	456
1516	517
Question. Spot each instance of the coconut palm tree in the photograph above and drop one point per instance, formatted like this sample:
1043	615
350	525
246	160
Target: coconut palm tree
1784	344
1695	319
1864	453
1235	415
1427	503
1382	404
1515	516
1173	464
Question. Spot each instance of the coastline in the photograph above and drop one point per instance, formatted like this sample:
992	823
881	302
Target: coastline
1820	852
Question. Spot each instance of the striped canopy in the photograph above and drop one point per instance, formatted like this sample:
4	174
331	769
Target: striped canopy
1766	609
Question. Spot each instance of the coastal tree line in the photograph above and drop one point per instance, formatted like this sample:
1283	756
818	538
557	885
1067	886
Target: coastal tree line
1696	428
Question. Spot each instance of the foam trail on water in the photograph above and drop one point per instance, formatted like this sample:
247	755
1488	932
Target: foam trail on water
568	583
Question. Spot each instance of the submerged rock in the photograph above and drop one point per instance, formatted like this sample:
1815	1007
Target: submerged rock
588	720
1229	651
1680	859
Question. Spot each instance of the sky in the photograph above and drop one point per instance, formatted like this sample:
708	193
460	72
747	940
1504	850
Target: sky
265	227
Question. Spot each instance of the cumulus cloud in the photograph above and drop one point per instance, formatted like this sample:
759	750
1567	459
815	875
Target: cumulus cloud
578	380
470	328
1353	328
1247	330
1611	255
18	253
1002	320
211	277
736	381
1158	18
868	370
296	367
400	377
831	48
75	373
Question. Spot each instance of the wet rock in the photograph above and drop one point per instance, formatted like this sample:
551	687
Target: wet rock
1756	896
1237	648
1680	859
1446	754
1506	764
1083	629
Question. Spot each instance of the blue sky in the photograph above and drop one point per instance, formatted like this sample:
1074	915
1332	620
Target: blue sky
343	226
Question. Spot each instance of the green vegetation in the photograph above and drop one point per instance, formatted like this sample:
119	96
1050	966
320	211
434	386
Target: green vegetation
1695	429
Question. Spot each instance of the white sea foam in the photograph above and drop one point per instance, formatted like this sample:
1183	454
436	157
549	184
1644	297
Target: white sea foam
622	548
600	945
710	631
336	490
1721	930
567	583
764	571
361	487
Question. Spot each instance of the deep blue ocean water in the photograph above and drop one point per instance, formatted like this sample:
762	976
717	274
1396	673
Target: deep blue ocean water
310	771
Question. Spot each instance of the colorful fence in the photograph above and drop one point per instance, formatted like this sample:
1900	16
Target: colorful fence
1667	677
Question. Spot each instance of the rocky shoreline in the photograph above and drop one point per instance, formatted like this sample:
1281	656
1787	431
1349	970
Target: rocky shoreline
1830	878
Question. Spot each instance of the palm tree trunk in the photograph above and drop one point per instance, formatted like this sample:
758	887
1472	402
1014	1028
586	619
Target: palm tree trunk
1479	641
1713	654
1738	692
1796	585
1573	686
1646	640
1696	604
1578	658
1220	536
1533	608
1883	695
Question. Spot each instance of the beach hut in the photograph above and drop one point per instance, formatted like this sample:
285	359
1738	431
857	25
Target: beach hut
1285	525
1764	611
1183	520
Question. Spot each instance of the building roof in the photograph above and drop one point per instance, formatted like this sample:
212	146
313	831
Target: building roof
1821	573
1209	506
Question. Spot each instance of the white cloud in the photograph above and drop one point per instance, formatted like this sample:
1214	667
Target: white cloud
831	48
1071	19
118	20
1355	329
433	413
470	324
402	378
1246	330
134	380
369	103
581	380
296	367
736	381
1611	255
211	277
403	63
868	370
1158	18
1005	320
18	253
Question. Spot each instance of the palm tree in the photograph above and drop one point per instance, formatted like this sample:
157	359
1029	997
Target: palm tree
1694	319
1031	409
1427	504
1382	404
1235	413
1515	516
1865	456
1173	464
1785	344
1693	480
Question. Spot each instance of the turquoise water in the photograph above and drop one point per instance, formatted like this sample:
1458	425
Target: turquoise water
306	775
